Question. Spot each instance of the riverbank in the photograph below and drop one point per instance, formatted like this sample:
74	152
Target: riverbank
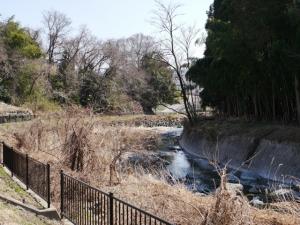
48	140
271	151
264	158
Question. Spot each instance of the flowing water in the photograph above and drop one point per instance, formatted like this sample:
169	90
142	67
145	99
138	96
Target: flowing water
200	176
195	173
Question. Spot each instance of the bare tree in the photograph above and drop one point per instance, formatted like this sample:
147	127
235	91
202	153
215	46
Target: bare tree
176	45
69	58
188	38
122	61
35	34
130	51
139	45
74	45
57	26
92	56
80	54
125	56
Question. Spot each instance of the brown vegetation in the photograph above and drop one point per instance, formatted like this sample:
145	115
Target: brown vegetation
230	208
91	150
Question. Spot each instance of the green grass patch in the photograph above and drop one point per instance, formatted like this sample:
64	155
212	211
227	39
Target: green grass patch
12	184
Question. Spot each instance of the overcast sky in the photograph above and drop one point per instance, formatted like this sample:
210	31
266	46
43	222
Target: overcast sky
105	18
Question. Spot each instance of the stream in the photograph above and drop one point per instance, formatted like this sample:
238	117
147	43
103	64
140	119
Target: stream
200	176
195	173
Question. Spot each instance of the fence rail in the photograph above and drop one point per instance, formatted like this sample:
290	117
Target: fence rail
34	174
83	204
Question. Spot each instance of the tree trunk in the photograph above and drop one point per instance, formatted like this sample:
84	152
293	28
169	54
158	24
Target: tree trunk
255	106
185	98
273	102
297	92
148	110
228	111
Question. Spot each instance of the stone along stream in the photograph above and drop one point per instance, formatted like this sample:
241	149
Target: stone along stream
200	176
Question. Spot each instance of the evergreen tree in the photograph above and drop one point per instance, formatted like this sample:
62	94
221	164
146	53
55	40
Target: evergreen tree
251	63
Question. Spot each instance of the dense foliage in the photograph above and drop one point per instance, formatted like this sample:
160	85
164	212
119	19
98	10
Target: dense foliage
54	67
20	65
251	63
158	87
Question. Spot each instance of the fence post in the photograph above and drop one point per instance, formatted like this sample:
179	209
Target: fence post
111	208
48	184
12	161
2	153
27	174
61	193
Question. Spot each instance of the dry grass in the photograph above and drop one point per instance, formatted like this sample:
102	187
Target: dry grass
91	150
230	207
79	147
174	203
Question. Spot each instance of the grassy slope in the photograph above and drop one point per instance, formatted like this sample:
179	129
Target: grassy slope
11	189
13	215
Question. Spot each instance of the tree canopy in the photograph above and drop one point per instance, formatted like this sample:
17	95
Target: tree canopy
57	66
19	53
251	64
159	87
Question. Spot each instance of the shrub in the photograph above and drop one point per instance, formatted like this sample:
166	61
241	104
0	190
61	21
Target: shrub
39	102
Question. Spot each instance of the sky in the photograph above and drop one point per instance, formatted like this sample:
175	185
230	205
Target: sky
107	19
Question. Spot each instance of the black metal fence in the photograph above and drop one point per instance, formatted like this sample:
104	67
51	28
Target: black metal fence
83	204
34	174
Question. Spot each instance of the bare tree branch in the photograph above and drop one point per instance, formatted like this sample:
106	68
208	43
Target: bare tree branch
57	25
176	46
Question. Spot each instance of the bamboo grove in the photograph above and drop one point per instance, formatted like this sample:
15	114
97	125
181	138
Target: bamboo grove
251	64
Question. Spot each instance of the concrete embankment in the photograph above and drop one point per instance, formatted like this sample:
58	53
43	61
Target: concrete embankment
270	151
